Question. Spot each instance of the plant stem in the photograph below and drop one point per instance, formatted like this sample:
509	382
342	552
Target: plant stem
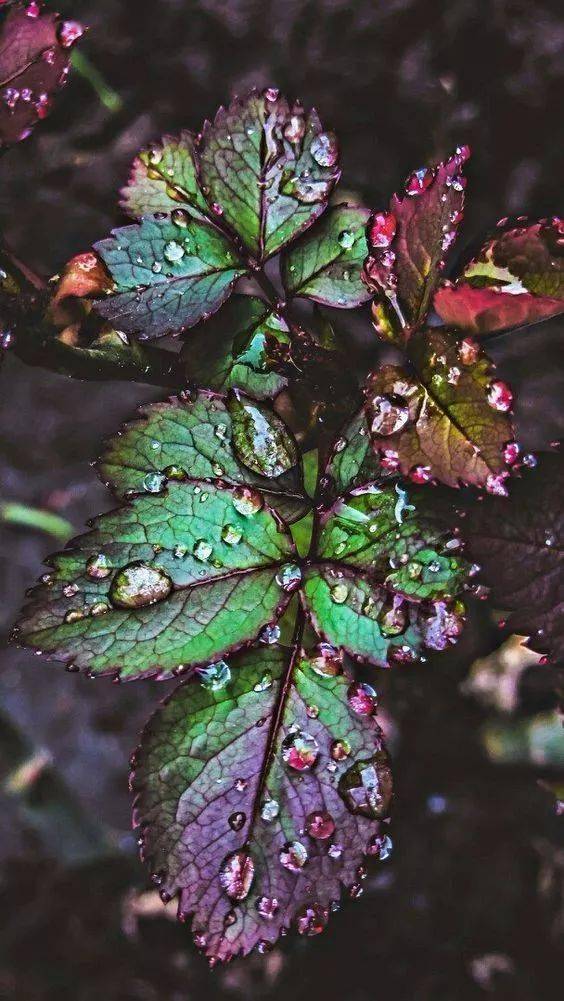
14	513
106	94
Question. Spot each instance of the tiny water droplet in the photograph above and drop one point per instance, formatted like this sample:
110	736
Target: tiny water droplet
340	749
237	820
289	577
215	676
362	698
366	787
269	810
173	251
293	856
320	825
267	907
339	593
324	149
380	846
311	919
300	751
270	634
153	483
247	501
346	239
202	550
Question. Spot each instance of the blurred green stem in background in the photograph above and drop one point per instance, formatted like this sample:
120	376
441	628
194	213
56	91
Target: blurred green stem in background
106	95
14	513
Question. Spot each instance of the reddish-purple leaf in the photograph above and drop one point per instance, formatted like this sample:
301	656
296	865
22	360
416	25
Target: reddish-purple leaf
448	419
258	794
520	547
35	49
516	279
407	244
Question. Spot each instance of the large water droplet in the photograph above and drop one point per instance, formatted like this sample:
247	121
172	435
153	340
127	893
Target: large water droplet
231	535
202	550
320	825
388	414
236	874
326	660
392	617
269	810
237	820
289	577
267	907
293	856
362	699
260	439
173	251
366	787
139	584
312	919
215	676
180	218
300	751
247	501
153	483
325	150
98	567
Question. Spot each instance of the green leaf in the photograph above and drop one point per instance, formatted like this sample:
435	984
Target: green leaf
218	801
392	535
192	436
449	420
349	611
326	264
268	168
164	177
243	347
169	272
352	460
172	580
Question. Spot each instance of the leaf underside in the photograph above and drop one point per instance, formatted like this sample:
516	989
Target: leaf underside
520	546
208	764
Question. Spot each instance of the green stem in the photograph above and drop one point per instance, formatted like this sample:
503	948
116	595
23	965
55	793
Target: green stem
86	69
14	513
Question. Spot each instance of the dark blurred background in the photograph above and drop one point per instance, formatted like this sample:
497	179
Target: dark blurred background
472	903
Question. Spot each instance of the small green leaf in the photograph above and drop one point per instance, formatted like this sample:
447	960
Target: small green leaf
268	169
243	347
261	440
352	461
326	264
169	272
258	801
163	178
449	420
192	436
172	580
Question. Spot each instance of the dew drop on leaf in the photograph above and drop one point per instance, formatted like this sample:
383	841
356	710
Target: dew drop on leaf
419	181
270	635
202	549
381	230
362	698
339	593
340	749
500	396
334	852
153	483
312	919
173	251
320	825
366	787
293	856
289	576
324	149
73	615
236	874
215	676
269	810
98	567
300	751
388	414
346	239
231	535
326	660
138	585
380	846
267	907
237	820
180	218
247	501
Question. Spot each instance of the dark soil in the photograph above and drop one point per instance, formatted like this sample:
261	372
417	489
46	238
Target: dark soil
400	81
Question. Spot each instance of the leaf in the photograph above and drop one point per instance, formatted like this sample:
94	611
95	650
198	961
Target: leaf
34	63
449	420
408	244
352	461
218	805
268	169
326	264
517	278
519	546
192	436
163	177
172	580
169	272
243	347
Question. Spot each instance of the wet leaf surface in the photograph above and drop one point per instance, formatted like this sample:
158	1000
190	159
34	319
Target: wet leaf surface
35	47
268	169
450	421
519	546
163	178
517	278
326	263
169	272
258	811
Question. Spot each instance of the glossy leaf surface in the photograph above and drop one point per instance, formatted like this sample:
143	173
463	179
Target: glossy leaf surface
163	178
326	263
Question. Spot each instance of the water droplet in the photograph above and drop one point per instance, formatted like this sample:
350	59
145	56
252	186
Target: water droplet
264	684
247	501
267	907
138	585
326	660
175	473
11	97
388	414
334	852
324	149
220	431
68	32
173	251
269	810
33	9
312	712
381	230
99	608
202	550
392	617
73	615
346	239
236	874
420	474
241	785
339	593
380	846
237	820
289	577
511	452
270	634
215	676
340	749
156	267
366	787
293	856
231	535
70	590
419	181
180	218
500	396
468	351
362	698
271	94
153	483
495	484
549	539
300	751
312	919
320	825
217	208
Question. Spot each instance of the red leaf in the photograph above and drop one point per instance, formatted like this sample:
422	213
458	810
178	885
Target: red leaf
408	243
517	278
34	61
